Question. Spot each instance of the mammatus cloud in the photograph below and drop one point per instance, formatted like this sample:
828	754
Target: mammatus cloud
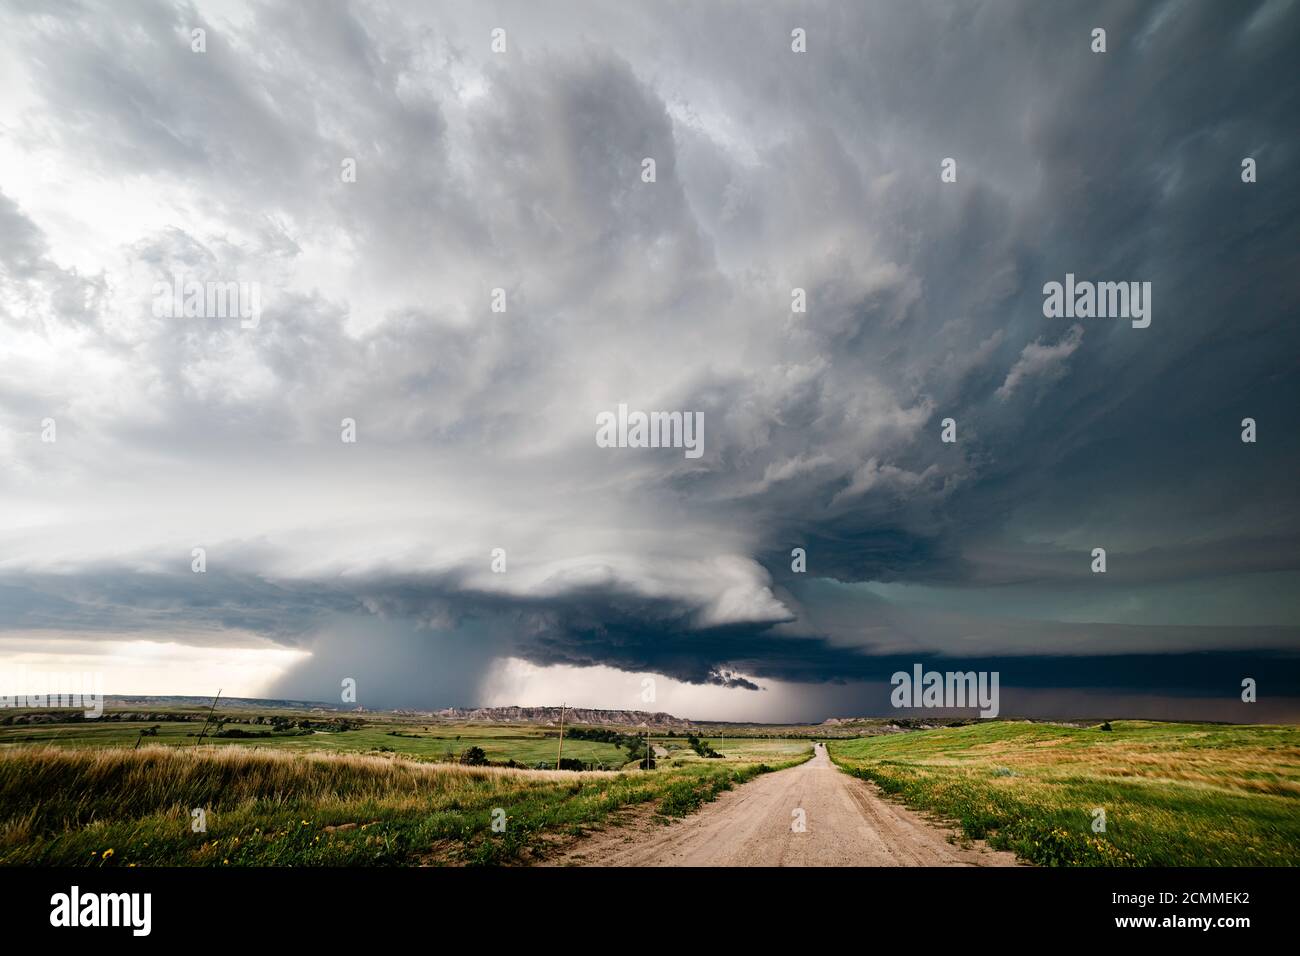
517	179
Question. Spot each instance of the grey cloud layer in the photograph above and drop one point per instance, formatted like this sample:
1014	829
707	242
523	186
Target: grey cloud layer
774	171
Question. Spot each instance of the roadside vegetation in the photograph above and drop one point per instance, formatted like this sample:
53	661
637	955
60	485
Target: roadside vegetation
505	745
118	806
1172	794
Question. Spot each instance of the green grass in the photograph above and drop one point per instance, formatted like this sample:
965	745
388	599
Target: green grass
525	745
743	750
114	806
683	796
1173	794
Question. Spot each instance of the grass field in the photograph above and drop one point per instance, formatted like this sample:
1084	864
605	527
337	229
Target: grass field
733	748
524	744
389	791
1173	794
114	806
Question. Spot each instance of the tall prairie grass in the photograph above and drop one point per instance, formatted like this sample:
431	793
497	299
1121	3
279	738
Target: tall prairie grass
1171	794
116	806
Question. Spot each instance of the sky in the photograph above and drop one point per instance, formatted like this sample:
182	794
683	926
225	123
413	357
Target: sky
456	250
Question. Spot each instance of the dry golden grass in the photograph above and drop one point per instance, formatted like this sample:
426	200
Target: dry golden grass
61	805
157	777
1173	794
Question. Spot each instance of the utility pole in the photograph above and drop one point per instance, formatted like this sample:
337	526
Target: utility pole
209	717
560	752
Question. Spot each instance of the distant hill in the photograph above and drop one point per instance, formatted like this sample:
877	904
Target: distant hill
545	716
572	715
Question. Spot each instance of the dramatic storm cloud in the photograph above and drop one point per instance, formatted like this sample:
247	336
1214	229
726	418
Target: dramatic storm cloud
457	256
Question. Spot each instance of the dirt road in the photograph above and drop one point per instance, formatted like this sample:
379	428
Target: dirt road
844	823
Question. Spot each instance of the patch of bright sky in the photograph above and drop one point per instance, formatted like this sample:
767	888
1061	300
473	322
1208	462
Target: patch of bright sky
133	667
